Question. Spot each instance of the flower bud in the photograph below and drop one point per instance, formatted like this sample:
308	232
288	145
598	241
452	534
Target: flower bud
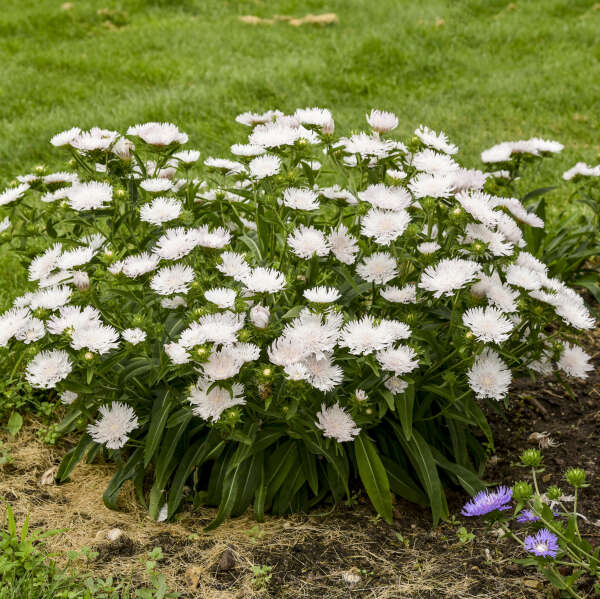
531	458
522	491
120	193
328	127
576	477
553	493
88	355
81	280
259	315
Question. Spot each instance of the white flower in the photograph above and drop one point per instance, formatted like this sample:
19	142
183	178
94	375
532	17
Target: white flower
300	199
97	338
11	322
94	139
140	264
51	298
336	423
41	266
264	166
314	333
158	134
320	117
367	146
575	314
220	328
187	156
176	243
81	280
215	238
296	372
464	179
575	362
68	397
386	198
264	280
384	226
89	196
172	279
500	295
396	174
307	242
517	209
71	317
521	276
399	360
438	141
161	210
176	353
323	374
581	169
249	150
448	275
489	376
343	246
65	137
13	193
363	336
381	121
209	405
234	265
250	118
335	192
499	153
156	184
259	316
428	247
32	330
75	257
395	385
488	324
377	268
134	336
480	206
434	186
400	295
114	425
285	351
546	145
496	243
322	295
275	135
48	368
61	177
227	362
430	161
52	196
221	296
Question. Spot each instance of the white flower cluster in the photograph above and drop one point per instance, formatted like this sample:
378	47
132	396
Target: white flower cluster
283	271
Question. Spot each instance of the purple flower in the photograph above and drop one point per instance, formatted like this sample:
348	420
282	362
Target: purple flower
529	516
488	501
543	543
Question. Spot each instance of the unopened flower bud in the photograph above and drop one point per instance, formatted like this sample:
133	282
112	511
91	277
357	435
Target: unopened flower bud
40	168
120	193
531	458
328	128
553	493
522	491
81	280
576	477
259	315
88	355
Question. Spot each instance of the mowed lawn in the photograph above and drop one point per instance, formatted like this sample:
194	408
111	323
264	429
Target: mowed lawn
483	71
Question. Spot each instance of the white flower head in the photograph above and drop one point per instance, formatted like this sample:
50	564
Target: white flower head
435	163
399	360
187	156
161	210
114	425
209	405
336	423
300	199
322	295
343	245
68	397
379	268
488	324
13	193
259	316
431	185
48	368
89	196
438	141
234	265
249	150
448	275
400	295
264	166
382	121
134	336
384	226
156	184
264	280
489	377
575	362
395	385
158	134
307	242
96	338
386	198
172	279
223	297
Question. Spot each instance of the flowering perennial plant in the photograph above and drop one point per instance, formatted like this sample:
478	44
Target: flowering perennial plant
311	311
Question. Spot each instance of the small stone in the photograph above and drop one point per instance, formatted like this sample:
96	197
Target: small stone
192	577
227	560
114	534
48	478
351	576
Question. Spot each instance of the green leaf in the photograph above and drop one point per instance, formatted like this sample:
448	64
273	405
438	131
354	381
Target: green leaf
15	422
404	406
373	476
402	484
467	479
73	457
160	414
125	472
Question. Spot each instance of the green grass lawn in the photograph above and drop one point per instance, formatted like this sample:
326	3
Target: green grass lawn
483	71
